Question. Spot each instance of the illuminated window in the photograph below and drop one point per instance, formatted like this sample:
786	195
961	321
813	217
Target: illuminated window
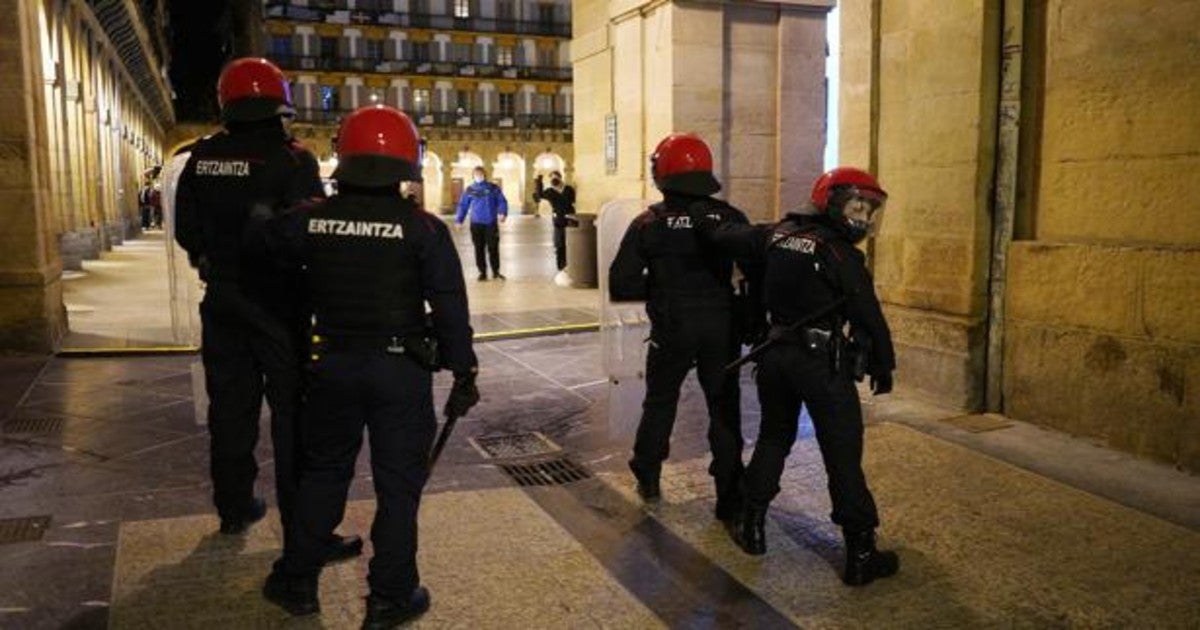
504	55
421	100
462	8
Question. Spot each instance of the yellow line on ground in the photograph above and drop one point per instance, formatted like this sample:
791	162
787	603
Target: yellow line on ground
538	330
134	351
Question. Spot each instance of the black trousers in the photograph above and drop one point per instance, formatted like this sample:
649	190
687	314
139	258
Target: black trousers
790	375
705	340
560	246
392	398
486	237
249	353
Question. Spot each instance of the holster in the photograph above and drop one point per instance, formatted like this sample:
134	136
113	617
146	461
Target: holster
859	350
422	350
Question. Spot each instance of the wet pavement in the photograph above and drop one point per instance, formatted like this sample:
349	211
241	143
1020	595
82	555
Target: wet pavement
990	533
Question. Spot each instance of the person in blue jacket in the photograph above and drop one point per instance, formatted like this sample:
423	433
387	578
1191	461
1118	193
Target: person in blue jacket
485	202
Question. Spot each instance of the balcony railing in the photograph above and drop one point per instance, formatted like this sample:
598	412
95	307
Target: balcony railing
556	122
409	66
337	13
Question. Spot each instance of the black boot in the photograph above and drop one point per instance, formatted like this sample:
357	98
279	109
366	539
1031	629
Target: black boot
748	530
647	481
864	562
240	523
343	548
296	595
384	614
729	506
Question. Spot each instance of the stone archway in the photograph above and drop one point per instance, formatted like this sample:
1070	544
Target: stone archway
547	162
433	176
460	173
544	164
509	172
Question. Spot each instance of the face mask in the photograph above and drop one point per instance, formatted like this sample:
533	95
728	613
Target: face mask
479	179
861	214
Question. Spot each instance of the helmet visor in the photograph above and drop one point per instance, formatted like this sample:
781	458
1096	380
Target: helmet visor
863	211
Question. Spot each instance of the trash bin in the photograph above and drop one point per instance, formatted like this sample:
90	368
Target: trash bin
581	250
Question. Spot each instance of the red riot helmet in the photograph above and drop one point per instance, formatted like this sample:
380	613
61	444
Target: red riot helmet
682	163
378	146
252	88
853	198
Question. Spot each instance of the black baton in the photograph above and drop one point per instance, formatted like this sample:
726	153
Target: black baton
757	351
442	438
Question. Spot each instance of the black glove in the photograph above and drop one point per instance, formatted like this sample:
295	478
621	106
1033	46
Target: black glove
881	382
463	395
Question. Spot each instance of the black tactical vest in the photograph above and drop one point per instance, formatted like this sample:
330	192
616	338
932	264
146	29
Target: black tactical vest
800	276
683	268
364	273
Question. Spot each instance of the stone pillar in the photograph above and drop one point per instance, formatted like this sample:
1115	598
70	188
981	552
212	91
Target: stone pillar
748	77
919	100
32	317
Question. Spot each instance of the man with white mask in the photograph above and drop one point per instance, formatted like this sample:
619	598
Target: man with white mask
488	208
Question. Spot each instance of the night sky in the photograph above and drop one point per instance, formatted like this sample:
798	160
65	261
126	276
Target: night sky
200	36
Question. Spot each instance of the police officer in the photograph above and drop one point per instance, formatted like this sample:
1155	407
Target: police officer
687	285
812	267
254	325
484	202
374	260
562	204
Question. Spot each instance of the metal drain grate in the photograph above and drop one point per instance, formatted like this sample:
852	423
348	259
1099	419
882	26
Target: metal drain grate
26	529
553	472
515	445
39	426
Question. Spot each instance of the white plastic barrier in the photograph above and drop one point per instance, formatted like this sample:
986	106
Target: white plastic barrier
624	326
185	286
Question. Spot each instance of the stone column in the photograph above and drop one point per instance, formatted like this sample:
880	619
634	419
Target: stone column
919	98
32	317
748	77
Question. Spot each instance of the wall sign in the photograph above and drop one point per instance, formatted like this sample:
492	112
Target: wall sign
610	144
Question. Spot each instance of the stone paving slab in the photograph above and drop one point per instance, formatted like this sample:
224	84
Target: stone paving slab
982	544
491	559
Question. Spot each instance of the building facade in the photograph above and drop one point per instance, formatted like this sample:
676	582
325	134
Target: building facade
1041	253
748	76
85	112
487	81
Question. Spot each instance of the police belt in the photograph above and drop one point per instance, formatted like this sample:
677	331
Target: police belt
810	338
391	344
417	347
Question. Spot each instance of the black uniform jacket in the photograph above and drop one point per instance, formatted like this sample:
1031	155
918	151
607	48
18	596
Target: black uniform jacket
228	178
562	202
808	264
373	261
661	260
